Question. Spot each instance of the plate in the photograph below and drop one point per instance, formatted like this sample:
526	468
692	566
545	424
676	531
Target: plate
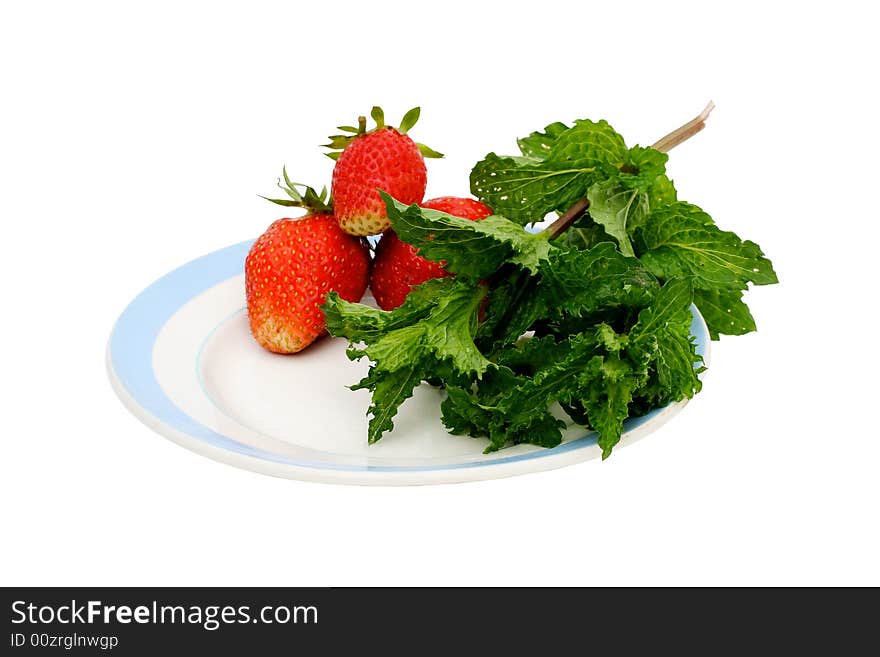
181	359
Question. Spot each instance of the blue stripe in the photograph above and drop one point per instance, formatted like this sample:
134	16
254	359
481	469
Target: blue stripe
136	331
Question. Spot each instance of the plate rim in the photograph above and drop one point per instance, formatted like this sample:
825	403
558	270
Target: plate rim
208	442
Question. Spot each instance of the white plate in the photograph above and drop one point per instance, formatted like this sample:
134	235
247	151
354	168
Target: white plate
182	360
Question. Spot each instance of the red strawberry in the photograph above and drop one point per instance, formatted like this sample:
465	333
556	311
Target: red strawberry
398	267
291	268
384	158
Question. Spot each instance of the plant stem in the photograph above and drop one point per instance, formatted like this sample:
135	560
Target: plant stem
685	132
571	215
664	145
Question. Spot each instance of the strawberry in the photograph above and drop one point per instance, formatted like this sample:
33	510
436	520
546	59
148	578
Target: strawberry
383	158
398	267
291	268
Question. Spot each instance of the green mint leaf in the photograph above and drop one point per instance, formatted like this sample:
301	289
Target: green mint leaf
543	430
589	143
724	312
558	380
538	144
530	355
581	372
438	321
514	305
389	390
601	376
429	337
662	337
571	283
465	412
524	191
641	168
462	415
361	323
661	192
618	210
557	170
673	300
585	234
606	400
681	240
584	281
469	248
447	332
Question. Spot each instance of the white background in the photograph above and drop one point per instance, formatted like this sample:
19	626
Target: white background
136	137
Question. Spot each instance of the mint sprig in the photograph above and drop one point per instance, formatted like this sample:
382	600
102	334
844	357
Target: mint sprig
590	317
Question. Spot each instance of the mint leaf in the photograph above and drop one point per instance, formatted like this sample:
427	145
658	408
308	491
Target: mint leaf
538	144
601	376
543	430
514	305
662	192
672	301
585	234
618	210
555	380
681	240
598	322
606	400
662	338
642	167
524	191
724	312
439	322
584	370
571	282
469	248
361	323
558	168
583	281
483	414
430	335
389	390
589	144
528	356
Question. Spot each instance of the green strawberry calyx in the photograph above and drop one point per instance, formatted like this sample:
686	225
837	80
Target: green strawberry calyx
311	200
339	143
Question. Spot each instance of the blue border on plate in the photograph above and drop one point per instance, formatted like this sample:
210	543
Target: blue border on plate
136	331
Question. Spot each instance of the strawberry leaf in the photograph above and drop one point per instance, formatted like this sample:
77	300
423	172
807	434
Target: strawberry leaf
409	120
429	152
308	199
341	142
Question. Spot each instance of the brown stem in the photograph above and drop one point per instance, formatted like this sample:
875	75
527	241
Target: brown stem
664	145
685	132
571	215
